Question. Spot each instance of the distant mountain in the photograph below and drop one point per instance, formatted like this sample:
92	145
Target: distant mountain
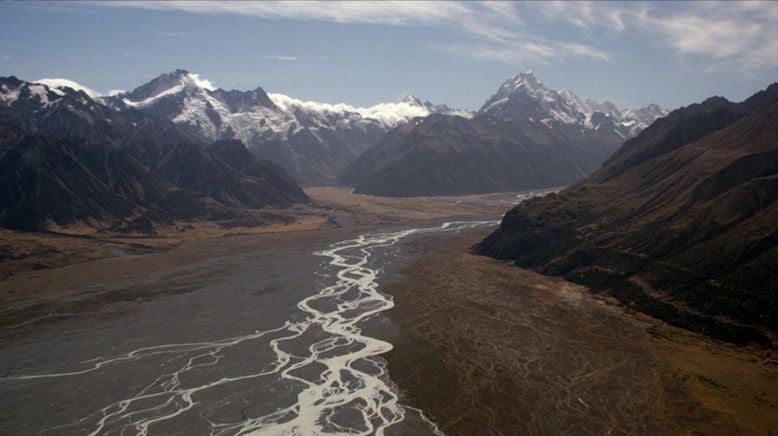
681	222
445	155
526	136
67	160
313	141
524	97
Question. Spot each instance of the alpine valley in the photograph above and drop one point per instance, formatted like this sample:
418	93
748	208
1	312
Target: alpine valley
176	260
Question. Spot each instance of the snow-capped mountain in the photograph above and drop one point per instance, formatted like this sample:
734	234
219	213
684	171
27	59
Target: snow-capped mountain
524	97
526	136
62	84
313	141
66	159
17	92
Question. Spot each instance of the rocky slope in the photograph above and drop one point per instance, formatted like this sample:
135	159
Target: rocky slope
681	222
313	141
445	155
526	136
67	160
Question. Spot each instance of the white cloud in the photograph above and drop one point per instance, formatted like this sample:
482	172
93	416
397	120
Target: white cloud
388	113
496	29
65	83
200	82
278	57
293	58
741	32
744	34
387	12
528	50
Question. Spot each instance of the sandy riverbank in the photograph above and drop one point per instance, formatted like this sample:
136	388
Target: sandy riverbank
488	348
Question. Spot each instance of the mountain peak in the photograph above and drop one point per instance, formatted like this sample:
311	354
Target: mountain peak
525	98
187	78
410	99
43	93
179	81
526	78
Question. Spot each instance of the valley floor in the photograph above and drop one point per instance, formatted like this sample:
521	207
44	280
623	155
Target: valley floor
33	263
488	348
330	207
481	346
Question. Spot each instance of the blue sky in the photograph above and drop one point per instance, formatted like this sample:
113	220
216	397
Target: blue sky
364	53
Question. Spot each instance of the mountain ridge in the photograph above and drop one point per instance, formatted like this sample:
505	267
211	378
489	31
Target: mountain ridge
524	97
313	141
525	136
679	223
68	160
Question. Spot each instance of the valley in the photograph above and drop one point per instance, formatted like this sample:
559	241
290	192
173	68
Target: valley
218	304
331	207
213	312
383	218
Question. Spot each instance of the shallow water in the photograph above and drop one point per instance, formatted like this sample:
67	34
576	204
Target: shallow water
267	340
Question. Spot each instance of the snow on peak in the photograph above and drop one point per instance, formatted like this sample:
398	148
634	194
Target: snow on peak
181	76
524	97
40	94
520	84
57	84
178	82
527	80
9	90
410	99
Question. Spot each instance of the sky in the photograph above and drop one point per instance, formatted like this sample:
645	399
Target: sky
457	53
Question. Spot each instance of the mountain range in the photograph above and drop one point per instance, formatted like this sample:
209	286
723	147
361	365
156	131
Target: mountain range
386	149
525	136
67	160
678	222
313	141
681	222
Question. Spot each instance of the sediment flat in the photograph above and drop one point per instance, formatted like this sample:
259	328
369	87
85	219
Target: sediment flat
32	253
87	339
480	346
485	347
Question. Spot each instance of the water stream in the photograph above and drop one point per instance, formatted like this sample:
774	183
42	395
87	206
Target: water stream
322	375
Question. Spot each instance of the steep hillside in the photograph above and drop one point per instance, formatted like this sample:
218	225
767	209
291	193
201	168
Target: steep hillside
449	155
682	222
